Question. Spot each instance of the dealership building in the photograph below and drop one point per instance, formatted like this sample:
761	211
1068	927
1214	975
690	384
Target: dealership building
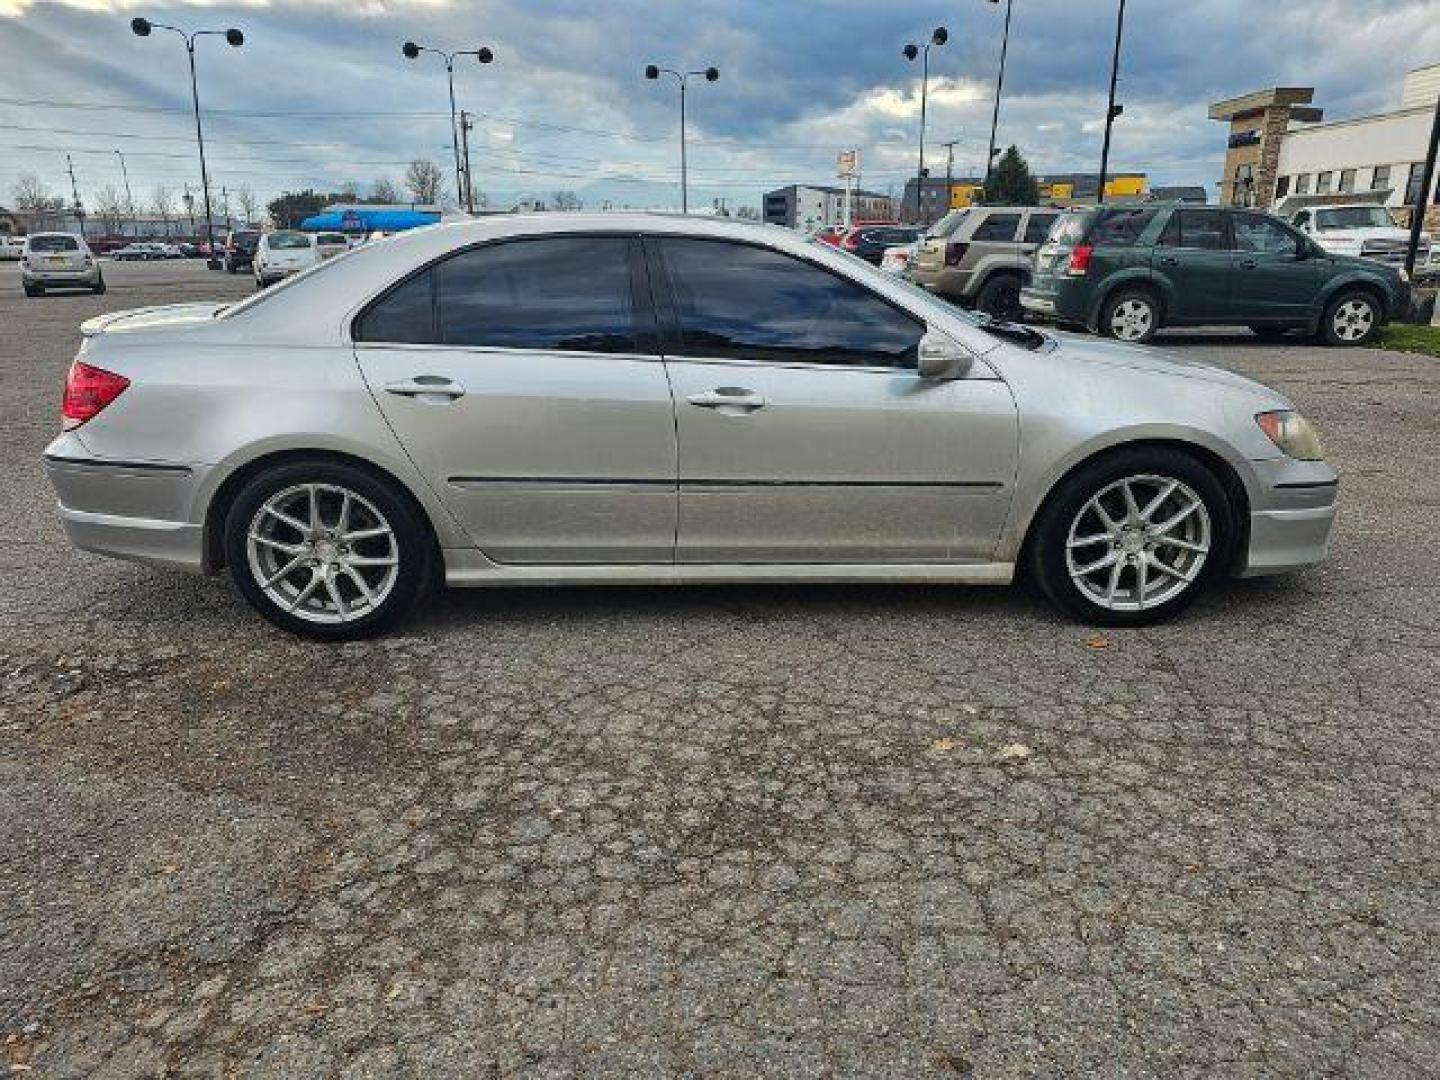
1283	154
812	208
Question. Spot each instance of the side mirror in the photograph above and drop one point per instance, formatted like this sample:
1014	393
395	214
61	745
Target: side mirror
941	358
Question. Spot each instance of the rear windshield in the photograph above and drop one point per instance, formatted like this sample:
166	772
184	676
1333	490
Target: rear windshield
282	241
1354	217
1069	230
1119	228
241	239
331	238
54	243
947	224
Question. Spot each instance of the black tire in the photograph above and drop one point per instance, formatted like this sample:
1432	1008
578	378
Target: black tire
1000	296
1047	551
1341	318
99	289
414	548
34	290
1112	307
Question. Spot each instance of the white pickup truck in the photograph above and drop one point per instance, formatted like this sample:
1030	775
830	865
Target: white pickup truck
1367	230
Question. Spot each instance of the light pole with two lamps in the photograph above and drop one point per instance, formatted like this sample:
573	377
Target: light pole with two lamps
652	72
142	28
484	55
911	51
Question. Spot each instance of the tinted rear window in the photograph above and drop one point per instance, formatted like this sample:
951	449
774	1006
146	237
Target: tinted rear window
997	227
54	243
1120	228
288	241
947	224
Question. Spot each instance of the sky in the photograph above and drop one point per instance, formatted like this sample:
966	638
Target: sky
321	96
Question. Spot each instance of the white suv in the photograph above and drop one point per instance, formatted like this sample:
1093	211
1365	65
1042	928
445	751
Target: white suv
282	253
56	260
1363	229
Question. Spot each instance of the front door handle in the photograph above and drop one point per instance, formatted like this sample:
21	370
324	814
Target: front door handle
1247	264
1169	260
730	400
432	388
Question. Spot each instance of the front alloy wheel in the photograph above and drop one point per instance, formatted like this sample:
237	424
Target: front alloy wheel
1351	320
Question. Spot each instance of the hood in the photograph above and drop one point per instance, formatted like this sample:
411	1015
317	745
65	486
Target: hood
1083	349
1351	239
161	317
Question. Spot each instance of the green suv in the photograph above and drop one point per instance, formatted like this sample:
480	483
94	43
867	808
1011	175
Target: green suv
1126	271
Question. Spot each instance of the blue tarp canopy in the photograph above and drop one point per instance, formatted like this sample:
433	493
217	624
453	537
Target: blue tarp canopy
368	221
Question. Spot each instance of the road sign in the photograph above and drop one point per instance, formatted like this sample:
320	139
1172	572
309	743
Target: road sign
847	163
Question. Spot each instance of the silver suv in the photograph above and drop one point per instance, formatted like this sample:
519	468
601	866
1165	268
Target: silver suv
980	256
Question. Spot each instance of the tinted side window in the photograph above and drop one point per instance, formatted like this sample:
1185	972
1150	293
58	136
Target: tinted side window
1202	229
566	292
1120	228
740	302
998	227
1256	233
404	316
1038	227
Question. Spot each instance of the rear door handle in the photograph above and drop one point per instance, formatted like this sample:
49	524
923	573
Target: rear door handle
1169	260
1247	264
435	388
731	400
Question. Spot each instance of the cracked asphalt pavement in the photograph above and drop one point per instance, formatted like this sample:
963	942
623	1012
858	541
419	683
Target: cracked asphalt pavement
717	831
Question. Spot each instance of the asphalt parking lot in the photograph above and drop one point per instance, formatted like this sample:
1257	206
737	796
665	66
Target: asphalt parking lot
726	831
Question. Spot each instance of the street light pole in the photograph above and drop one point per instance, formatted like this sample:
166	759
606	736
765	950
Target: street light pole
233	37
1427	178
653	72
938	37
75	195
129	199
949	172
484	55
999	86
1113	110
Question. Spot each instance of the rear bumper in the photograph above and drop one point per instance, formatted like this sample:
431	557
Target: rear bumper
90	276
126	509
1066	303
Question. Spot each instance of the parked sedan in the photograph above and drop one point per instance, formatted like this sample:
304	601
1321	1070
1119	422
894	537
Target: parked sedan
870	241
138	252
607	399
1128	271
12	248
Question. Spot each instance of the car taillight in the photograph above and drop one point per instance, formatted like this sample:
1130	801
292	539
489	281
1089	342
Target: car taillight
954	253
851	242
87	391
1079	264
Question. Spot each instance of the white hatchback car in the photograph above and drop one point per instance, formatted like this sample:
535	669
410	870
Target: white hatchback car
56	260
282	253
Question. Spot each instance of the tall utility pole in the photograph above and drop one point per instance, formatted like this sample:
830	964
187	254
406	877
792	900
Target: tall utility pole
466	125
75	194
189	201
225	206
1113	110
999	86
949	172
1427	178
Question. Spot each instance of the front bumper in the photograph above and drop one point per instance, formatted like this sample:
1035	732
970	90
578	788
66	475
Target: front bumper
127	509
1291	521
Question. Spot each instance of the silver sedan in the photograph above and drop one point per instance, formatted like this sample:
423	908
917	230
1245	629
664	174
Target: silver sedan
565	398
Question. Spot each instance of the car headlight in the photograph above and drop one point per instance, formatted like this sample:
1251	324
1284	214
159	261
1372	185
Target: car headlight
1292	433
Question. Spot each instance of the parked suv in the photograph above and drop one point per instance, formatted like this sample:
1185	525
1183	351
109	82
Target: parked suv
1127	271
56	260
240	249
981	256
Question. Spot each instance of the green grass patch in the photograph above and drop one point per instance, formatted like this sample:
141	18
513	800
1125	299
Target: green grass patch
1403	337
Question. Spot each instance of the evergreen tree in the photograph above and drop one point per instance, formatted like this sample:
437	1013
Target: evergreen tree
1011	183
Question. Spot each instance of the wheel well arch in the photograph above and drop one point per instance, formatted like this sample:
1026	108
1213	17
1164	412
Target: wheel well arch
1130	283
230	488
1357	284
1222	469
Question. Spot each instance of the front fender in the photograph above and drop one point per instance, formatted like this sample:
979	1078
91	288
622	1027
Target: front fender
1348	279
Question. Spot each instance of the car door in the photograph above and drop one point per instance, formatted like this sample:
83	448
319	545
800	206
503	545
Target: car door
805	434
1193	255
1272	282
522	378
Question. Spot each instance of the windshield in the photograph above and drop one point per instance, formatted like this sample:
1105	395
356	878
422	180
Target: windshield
1354	217
947	224
288	241
53	243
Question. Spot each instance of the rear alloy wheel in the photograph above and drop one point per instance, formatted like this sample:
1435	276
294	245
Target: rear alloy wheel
1130	316
326	550
1351	319
1000	297
1133	538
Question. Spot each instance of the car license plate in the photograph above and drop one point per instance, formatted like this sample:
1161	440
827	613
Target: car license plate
56	260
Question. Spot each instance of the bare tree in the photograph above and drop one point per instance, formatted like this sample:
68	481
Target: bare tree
384	190
163	201
425	181
110	209
249	204
36	202
565	200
